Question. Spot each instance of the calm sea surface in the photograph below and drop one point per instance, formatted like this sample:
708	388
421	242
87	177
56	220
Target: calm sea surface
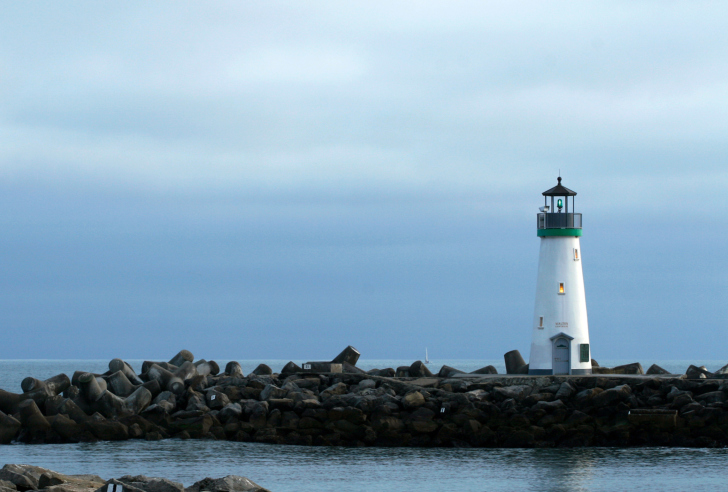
296	468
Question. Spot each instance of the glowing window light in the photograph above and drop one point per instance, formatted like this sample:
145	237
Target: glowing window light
561	287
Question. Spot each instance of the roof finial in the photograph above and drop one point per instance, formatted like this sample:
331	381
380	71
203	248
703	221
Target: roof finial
559	178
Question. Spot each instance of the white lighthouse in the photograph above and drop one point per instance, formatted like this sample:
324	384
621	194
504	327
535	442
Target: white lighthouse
560	341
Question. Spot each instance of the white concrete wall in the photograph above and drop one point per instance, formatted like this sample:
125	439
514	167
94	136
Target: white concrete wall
561	313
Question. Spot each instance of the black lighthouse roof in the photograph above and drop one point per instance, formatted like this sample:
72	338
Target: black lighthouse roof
559	190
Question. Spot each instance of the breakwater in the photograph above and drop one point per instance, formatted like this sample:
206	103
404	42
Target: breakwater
309	406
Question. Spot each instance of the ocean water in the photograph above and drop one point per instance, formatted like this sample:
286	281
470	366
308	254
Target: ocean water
300	468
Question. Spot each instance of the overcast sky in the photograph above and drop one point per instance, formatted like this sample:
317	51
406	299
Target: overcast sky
282	179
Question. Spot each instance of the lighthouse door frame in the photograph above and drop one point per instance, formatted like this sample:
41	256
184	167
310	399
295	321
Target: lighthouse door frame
554	340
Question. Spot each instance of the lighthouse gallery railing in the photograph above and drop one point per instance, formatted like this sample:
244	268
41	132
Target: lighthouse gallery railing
559	221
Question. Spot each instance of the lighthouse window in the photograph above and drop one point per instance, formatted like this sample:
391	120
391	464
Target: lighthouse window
584	352
576	254
540	322
561	288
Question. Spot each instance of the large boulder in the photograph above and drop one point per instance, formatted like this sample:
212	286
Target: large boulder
655	369
291	368
448	372
418	369
516	392
233	369
695	372
486	370
231	483
148	484
633	368
262	370
385	373
618	393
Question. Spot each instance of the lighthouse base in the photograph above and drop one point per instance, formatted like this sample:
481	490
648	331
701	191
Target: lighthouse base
550	372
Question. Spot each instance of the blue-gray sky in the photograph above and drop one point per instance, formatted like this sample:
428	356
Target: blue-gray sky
281	179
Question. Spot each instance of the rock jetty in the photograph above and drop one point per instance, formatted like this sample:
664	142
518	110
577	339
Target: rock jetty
335	403
21	478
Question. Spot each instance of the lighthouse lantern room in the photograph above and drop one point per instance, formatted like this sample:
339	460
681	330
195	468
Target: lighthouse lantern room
560	340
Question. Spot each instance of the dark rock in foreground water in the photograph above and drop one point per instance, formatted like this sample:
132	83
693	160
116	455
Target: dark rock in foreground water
15	478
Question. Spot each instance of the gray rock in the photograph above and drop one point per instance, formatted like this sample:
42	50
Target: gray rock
418	369
231	410
587	394
231	483
486	370
367	384
262	370
413	399
385	373
272	391
216	399
166	396
516	392
448	372
618	393
291	368
674	393
565	390
711	397
633	368
549	406
23	476
694	372
152	484
655	369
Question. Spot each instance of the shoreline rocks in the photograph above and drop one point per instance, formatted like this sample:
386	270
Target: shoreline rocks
20	478
351	407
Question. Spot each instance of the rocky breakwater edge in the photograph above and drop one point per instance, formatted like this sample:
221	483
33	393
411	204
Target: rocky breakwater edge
23	478
337	404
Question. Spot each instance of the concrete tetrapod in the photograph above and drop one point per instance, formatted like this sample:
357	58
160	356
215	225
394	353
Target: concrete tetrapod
182	357
39	392
167	380
147	364
205	367
120	365
9	427
187	370
233	369
118	384
33	421
99	378
114	407
515	363
349	354
52	386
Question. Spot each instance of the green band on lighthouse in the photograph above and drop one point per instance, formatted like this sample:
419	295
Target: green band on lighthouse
559	232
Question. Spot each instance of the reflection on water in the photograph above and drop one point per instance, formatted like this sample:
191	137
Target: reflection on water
294	468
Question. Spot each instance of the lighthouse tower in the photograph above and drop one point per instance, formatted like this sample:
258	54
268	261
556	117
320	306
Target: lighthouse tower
560	340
